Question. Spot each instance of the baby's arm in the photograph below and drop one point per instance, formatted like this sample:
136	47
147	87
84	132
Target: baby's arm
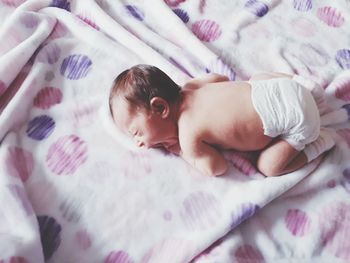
208	78
203	157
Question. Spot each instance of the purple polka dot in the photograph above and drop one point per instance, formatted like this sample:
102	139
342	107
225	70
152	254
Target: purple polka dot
75	66
3	87
63	4
182	14
135	12
200	211
173	3
347	108
20	194
297	222
345	134
49	76
70	211
302	5
343	58
40	127
50	235
50	53
66	155
83	239
219	67
19	163
257	8
167	215
331	16
243	212
118	257
313	55
47	97
182	68
247	253
206	30
346	174
29	20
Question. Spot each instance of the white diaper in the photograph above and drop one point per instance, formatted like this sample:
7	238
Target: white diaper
287	109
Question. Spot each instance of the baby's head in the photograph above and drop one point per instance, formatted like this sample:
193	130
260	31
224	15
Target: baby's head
144	103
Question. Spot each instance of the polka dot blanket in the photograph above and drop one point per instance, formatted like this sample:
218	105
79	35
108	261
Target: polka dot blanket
74	189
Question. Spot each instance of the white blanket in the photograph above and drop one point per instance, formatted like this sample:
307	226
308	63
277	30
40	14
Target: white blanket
73	189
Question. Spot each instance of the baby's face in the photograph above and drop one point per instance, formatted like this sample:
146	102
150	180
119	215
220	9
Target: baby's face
147	129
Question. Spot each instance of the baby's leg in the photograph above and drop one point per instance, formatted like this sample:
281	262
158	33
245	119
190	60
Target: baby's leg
280	158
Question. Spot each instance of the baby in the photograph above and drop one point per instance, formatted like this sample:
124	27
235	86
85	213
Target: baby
275	114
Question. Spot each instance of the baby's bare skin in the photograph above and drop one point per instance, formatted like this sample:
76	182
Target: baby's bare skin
213	113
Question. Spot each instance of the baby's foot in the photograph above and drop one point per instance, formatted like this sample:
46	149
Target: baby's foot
323	143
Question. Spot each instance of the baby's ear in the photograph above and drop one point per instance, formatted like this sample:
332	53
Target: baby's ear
160	106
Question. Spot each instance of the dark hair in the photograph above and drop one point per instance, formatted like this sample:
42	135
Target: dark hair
141	83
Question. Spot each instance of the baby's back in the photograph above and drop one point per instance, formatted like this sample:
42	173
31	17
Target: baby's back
223	115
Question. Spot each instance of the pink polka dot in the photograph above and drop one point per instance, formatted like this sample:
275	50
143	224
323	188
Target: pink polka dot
50	53
21	196
331	183
66	155
141	160
335	228
343	89
47	97
88	21
118	257
209	252
303	27
58	31
29	20
84	115
243	165
169	250
15	260
83	240
331	16
173	3
206	30
247	253
297	222
345	134
202	5
13	3
200	211
19	163
3	87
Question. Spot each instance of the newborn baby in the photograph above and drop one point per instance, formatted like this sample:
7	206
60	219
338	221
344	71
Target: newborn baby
275	114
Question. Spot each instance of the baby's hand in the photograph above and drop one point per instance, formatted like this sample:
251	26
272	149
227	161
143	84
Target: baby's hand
175	149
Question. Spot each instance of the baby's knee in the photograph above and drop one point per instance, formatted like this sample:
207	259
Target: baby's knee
268	167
